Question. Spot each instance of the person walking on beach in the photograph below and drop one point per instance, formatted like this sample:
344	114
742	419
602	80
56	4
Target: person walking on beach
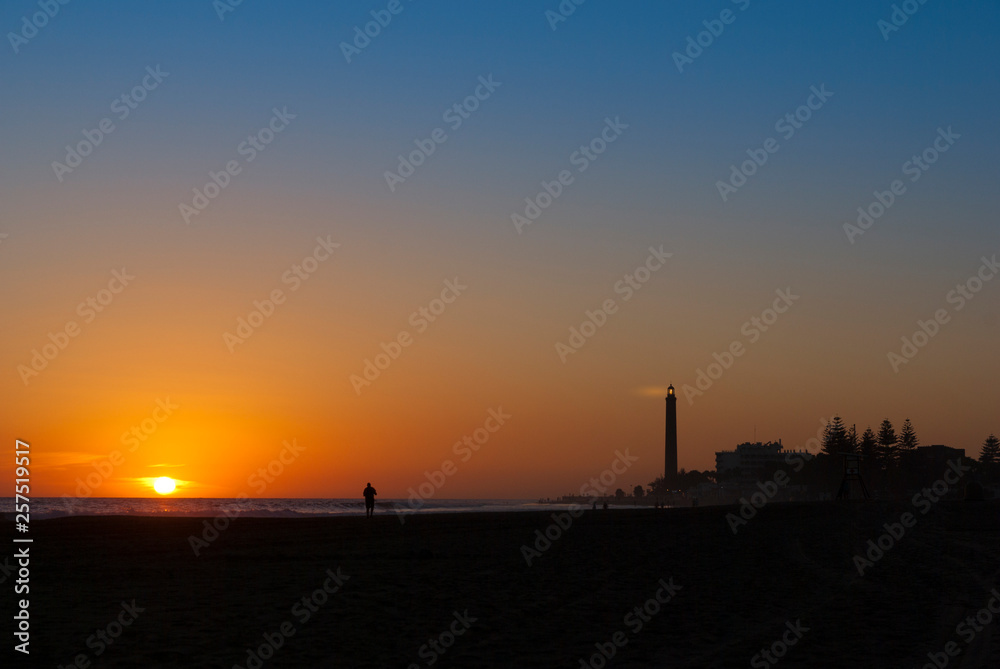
369	500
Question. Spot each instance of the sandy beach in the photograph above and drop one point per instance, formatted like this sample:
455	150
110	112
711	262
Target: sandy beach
671	588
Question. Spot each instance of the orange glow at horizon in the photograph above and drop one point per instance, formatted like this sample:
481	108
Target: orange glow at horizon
150	389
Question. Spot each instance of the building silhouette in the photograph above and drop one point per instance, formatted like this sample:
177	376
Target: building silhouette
936	456
749	459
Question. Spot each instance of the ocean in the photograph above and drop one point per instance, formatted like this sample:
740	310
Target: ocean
56	507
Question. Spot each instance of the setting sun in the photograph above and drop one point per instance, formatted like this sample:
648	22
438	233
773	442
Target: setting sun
164	485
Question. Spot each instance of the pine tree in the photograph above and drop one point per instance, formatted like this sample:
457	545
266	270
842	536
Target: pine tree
869	445
835	437
886	443
852	443
990	455
908	441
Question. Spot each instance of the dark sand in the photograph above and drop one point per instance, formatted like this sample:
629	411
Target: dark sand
791	562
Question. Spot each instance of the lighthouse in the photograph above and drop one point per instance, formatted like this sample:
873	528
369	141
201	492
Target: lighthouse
670	441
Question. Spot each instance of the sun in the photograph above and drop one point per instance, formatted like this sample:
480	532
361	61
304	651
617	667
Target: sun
164	485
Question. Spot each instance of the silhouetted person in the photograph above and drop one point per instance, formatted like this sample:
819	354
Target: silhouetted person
369	501
605	507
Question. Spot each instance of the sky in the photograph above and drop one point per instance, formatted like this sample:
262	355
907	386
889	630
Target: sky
486	216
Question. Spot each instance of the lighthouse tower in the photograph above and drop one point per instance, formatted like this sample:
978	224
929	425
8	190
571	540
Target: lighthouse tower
670	441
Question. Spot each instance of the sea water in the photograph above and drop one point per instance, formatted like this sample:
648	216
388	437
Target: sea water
56	507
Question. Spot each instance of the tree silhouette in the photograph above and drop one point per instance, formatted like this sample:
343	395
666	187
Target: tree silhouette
908	441
638	492
990	454
835	437
659	487
869	445
852	443
684	479
886	443
619	494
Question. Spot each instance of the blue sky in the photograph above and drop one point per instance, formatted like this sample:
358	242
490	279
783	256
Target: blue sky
657	184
